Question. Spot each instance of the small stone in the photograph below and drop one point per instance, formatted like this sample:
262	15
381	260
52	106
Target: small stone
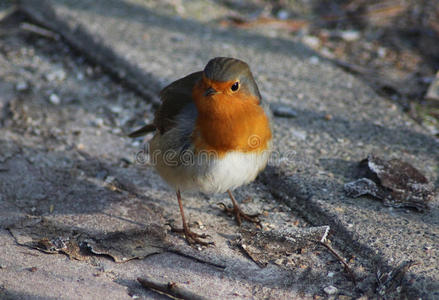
331	274
381	52
282	14
314	60
99	122
54	99
199	224
311	41
22	86
116	109
89	71
330	290
325	52
59	75
299	134
283	111
116	130
32	269
350	35
328	117
433	90
110	179
177	38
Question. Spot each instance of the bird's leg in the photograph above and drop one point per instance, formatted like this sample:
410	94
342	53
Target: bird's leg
191	237
239	214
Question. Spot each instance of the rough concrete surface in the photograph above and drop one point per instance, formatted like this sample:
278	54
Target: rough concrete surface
65	161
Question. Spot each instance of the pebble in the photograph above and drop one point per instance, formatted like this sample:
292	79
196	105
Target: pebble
54	99
299	135
199	224
381	52
314	60
311	41
177	38
99	122
283	111
282	14
22	86
433	90
56	75
116	130
116	109
326	52
328	117
89	71
350	35
330	290
110	179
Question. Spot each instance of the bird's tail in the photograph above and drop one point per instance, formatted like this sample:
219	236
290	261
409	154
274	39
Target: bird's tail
142	131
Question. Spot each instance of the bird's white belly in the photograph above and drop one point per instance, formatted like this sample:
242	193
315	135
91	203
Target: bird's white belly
207	173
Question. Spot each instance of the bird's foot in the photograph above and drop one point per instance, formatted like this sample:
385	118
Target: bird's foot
192	237
239	214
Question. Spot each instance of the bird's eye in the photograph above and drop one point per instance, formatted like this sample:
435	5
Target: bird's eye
235	86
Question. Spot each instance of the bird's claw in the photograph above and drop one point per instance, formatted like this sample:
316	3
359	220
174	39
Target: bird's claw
239	214
192	237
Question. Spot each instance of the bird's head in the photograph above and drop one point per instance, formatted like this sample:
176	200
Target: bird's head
226	82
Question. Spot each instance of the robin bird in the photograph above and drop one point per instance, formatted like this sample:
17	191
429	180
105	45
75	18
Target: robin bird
212	134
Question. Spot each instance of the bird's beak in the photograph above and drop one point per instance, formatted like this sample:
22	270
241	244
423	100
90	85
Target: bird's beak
210	91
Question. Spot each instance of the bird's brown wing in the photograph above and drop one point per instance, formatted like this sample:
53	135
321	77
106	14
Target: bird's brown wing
174	98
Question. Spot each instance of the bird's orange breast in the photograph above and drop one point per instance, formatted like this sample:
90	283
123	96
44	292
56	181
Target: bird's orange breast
230	122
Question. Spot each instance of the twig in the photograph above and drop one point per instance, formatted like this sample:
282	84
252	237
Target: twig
170	288
355	69
40	31
176	251
291	25
383	10
341	259
388	281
